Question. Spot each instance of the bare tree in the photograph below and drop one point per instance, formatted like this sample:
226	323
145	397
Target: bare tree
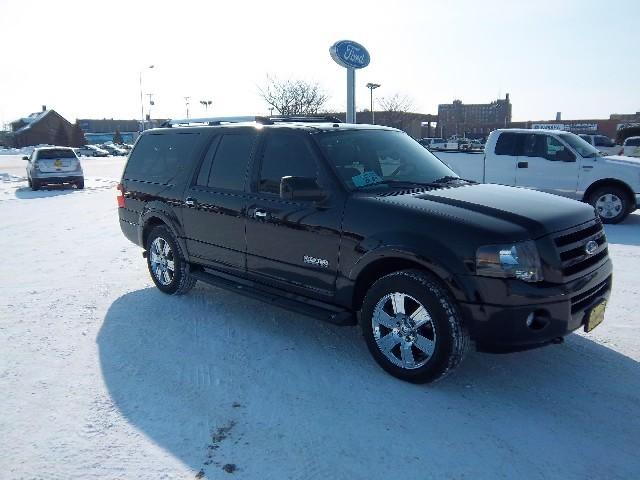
395	108
395	103
293	97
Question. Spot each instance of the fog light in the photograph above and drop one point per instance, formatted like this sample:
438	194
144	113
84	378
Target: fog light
538	319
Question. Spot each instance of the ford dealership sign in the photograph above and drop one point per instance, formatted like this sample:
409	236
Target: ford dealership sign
349	54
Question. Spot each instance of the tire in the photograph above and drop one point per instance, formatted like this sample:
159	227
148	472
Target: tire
430	332
35	185
163	251
80	184
611	202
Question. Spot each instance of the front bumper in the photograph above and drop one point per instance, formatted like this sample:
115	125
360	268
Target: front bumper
558	311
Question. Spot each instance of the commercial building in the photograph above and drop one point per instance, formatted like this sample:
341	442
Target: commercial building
473	120
418	125
103	130
603	126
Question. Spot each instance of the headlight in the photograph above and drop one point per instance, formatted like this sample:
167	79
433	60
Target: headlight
517	260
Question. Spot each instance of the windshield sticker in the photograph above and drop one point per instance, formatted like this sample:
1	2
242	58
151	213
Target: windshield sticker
366	178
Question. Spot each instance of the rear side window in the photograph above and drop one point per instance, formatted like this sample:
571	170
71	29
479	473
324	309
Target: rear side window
602	141
507	144
158	158
285	155
632	142
230	162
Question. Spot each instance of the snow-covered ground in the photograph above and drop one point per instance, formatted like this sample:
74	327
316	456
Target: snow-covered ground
102	376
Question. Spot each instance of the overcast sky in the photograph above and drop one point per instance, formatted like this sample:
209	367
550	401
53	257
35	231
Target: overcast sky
83	58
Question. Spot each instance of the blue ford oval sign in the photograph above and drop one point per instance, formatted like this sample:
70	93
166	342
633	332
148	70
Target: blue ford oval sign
349	54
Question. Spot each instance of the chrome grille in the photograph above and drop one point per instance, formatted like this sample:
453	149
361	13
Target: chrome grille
571	247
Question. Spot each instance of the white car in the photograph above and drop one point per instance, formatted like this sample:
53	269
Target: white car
556	162
431	142
91	151
54	165
603	143
631	147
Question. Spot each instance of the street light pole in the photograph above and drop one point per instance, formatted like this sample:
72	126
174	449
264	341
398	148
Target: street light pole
372	87
142	100
186	103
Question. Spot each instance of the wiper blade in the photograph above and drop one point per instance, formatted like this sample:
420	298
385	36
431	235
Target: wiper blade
409	183
447	179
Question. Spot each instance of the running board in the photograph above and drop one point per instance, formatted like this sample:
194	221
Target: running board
274	296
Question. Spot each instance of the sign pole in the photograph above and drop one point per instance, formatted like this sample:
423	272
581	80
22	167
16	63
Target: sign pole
350	55
351	95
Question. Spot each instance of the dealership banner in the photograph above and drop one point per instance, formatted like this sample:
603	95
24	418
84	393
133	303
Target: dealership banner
568	127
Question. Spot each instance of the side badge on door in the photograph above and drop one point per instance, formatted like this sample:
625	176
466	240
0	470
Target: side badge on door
318	262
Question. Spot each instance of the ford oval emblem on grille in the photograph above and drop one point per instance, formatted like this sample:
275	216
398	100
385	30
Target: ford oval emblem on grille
591	247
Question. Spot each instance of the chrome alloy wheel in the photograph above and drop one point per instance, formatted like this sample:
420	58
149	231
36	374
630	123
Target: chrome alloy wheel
403	330
162	261
609	205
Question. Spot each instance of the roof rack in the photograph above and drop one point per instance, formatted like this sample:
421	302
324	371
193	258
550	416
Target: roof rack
214	120
306	119
251	118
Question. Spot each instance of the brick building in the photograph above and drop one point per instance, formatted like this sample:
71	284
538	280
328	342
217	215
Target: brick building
44	127
418	125
473	120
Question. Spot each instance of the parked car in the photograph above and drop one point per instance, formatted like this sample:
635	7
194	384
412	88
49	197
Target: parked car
91	151
54	165
453	144
431	142
556	162
115	150
602	143
347	222
631	147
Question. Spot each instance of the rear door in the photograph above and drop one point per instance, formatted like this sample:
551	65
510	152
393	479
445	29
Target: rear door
293	244
215	201
500	165
547	164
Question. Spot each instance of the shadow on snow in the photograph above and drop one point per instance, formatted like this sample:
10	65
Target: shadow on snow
304	394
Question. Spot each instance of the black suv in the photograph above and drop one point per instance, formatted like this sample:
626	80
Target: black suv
359	223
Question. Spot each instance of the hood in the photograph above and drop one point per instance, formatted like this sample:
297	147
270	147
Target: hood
497	207
622	159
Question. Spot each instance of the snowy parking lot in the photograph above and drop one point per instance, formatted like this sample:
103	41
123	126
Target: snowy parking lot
103	376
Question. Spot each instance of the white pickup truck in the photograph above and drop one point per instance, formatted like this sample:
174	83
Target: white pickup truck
554	162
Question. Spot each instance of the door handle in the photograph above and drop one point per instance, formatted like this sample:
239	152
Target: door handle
523	164
259	213
190	201
587	167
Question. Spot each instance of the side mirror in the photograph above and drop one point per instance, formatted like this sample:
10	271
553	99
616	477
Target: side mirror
301	188
25	158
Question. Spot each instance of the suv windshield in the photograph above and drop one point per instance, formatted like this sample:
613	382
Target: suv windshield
585	149
371	157
62	153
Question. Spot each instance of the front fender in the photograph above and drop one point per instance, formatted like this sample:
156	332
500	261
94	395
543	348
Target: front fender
448	266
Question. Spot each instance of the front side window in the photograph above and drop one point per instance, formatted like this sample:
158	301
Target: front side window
585	149
285	155
369	157
632	142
